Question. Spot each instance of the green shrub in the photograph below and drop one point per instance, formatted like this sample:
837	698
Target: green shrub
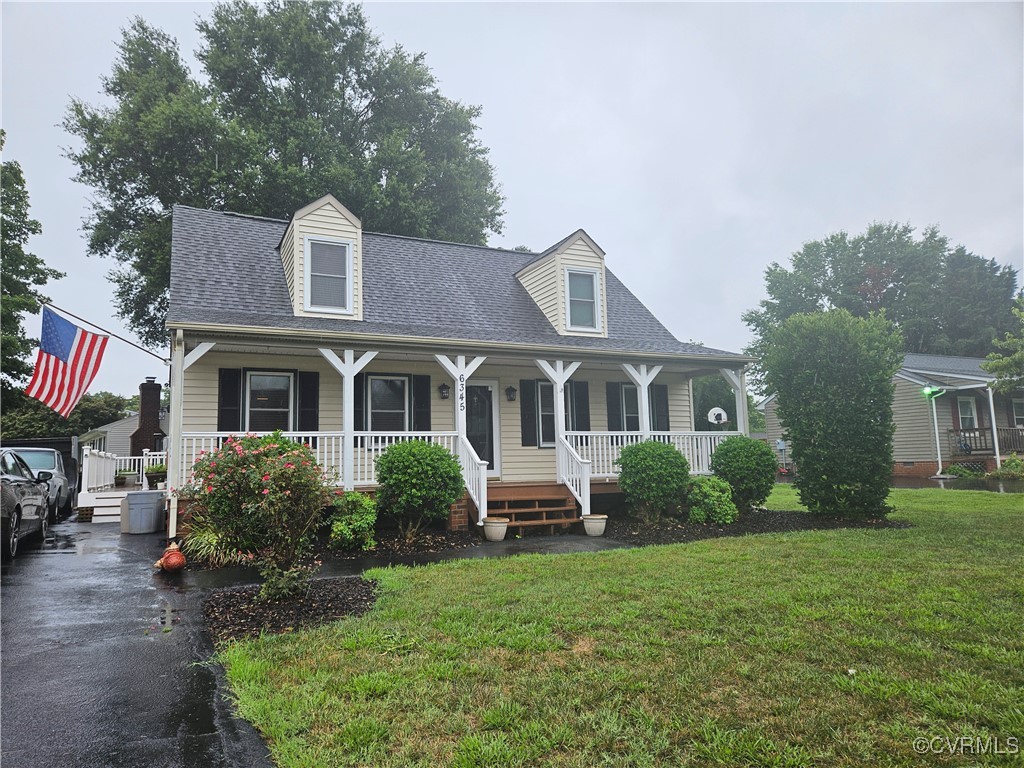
748	466
417	482
1012	468
961	470
653	476
264	497
710	500
353	521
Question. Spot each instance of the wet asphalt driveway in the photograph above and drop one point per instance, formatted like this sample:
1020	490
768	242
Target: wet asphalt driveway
102	660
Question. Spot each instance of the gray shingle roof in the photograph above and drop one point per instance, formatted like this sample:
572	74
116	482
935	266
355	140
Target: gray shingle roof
225	270
946	366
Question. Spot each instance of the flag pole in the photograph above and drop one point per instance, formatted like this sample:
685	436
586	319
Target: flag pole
163	360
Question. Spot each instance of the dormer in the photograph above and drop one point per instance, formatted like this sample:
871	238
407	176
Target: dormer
567	282
322	256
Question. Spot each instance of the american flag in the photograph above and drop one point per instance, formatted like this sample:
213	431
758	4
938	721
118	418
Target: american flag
69	359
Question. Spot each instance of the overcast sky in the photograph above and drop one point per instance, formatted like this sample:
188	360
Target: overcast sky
696	143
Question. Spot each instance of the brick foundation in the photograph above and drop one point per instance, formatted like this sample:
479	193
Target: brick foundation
460	513
927	468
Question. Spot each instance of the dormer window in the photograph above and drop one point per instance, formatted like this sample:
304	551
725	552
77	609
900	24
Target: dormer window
328	275
582	307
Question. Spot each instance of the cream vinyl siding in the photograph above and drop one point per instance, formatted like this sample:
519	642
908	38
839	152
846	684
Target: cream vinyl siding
542	282
773	429
324	221
914	439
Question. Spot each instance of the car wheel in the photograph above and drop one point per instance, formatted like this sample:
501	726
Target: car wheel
9	546
43	527
65	508
51	511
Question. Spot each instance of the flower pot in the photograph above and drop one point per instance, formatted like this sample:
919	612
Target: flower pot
120	481
155	478
495	527
594	524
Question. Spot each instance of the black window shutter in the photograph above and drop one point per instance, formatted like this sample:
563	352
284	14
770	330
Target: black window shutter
528	410
614	390
581	394
309	401
229	400
421	403
359	403
659	407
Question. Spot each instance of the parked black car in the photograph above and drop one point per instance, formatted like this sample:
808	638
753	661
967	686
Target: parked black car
62	484
23	501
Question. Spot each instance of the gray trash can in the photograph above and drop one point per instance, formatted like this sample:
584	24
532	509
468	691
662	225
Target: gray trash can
142	511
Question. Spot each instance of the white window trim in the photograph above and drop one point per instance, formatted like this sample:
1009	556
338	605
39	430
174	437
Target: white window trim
369	399
598	326
973	412
291	395
307	273
540	415
1018	411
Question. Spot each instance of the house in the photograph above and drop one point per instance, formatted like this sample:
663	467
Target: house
945	413
533	368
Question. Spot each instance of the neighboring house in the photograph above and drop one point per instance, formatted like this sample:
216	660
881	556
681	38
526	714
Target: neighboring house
945	413
533	368
139	427
114	437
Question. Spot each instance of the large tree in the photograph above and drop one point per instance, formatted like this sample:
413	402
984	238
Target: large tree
28	418
21	275
944	299
832	374
1008	366
296	100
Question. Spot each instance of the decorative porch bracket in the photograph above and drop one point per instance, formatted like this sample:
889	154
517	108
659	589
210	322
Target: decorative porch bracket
642	378
995	429
460	371
180	362
738	381
347	369
558	374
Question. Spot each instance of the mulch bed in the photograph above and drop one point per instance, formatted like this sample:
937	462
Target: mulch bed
234	613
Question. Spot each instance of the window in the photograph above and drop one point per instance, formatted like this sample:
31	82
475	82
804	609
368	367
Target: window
968	416
1018	412
630	408
388	403
270	401
11	466
329	275
582	294
546	413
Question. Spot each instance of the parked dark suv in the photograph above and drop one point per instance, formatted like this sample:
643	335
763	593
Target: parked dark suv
62	486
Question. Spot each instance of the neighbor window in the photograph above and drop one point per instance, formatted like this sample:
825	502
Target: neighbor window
546	413
269	401
389	403
1018	412
329	275
582	293
968	416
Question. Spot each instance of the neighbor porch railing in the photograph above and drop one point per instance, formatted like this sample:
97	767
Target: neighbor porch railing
603	448
474	476
963	442
574	471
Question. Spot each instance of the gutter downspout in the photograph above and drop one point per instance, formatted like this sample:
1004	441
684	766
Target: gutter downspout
995	431
935	423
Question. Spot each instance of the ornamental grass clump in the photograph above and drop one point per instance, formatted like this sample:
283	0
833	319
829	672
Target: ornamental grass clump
417	482
748	466
654	477
263	497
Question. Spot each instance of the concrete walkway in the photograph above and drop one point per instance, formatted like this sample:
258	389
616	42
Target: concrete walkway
102	658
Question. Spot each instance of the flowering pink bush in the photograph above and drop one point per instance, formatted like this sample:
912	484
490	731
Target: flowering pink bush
264	497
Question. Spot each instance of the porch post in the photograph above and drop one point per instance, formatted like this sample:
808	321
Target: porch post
460	371
738	381
642	378
995	430
348	369
558	374
174	456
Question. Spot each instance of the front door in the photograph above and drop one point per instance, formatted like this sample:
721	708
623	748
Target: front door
481	424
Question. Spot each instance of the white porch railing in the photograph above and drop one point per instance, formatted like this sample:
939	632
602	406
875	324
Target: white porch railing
137	464
474	475
327	446
98	470
368	445
603	448
574	471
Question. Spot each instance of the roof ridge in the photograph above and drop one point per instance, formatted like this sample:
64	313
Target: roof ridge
232	213
450	242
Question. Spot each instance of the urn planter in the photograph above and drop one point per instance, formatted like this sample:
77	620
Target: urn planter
594	524
495	528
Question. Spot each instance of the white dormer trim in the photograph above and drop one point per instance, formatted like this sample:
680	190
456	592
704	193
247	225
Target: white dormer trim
307	299
595	276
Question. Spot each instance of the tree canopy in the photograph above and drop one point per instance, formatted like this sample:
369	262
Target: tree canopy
832	374
296	100
27	418
945	300
21	275
1008	366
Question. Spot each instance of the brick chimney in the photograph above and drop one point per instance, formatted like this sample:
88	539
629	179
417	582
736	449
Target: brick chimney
145	437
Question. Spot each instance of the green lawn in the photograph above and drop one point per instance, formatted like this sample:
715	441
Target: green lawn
833	648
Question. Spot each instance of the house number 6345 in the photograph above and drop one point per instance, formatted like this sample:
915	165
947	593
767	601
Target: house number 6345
462	391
